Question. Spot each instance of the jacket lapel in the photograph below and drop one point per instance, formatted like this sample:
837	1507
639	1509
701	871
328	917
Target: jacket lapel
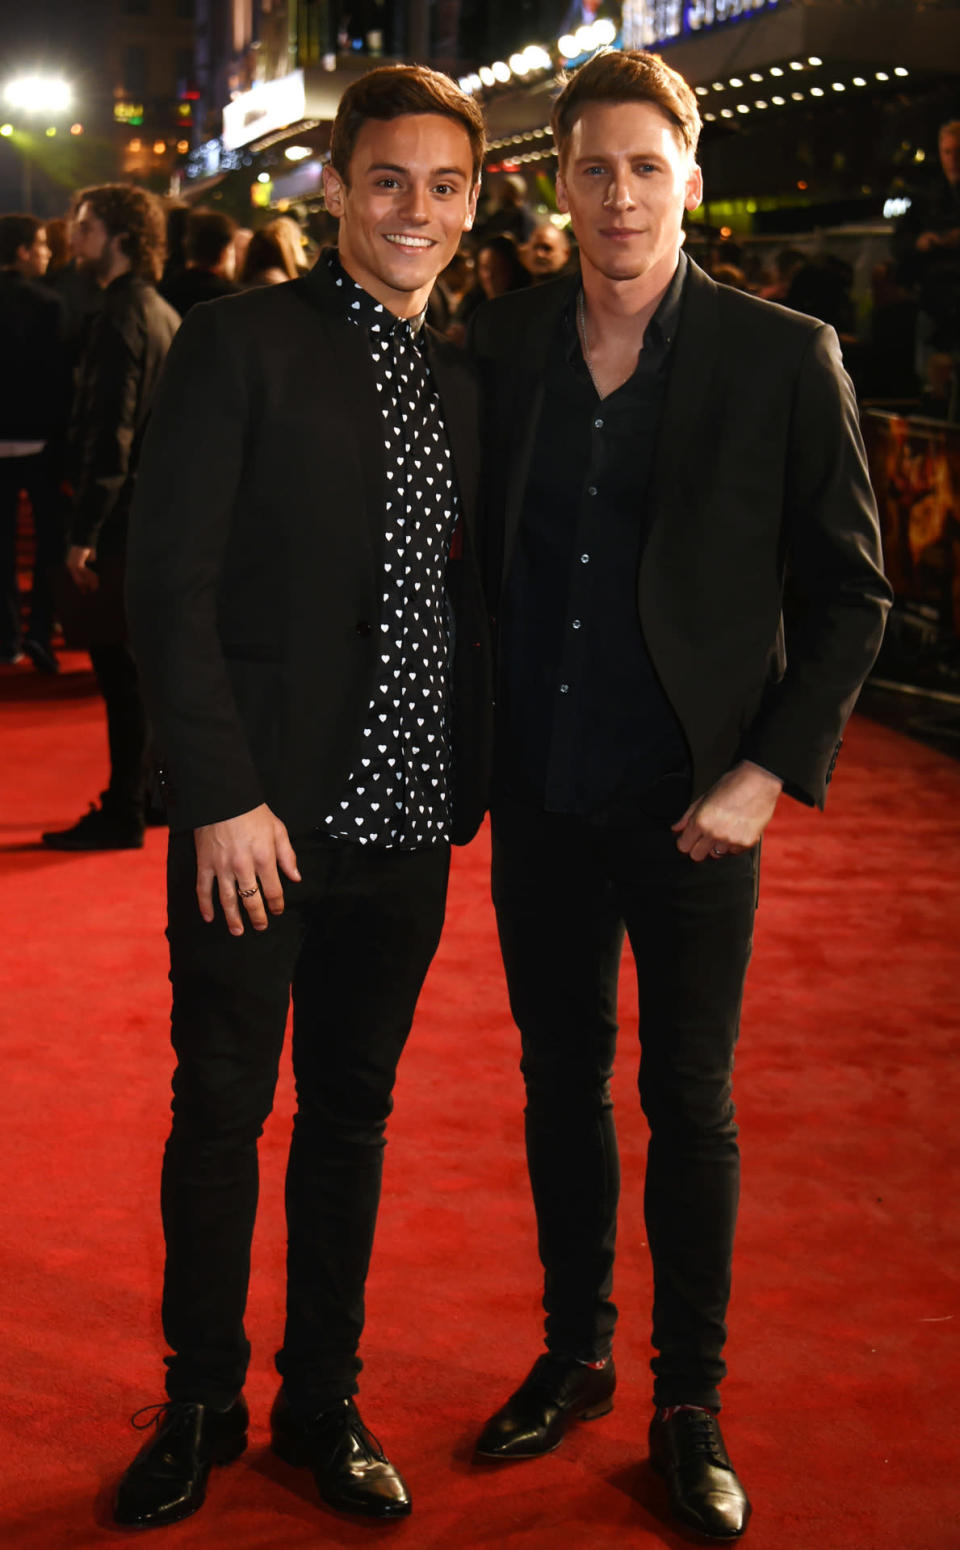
695	355
459	399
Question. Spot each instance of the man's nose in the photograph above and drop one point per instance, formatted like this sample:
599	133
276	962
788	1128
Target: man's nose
619	195
415	205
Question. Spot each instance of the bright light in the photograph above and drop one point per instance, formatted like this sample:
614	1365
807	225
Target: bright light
736	81
487	76
6	130
159	146
183	147
859	81
813	60
901	71
756	75
742	107
263	177
76	129
816	91
795	64
296	152
797	96
518	64
567	45
604	32
710	117
537	58
51	132
726	113
464	84
839	86
501	71
701	91
775	70
882	75
760	104
134	146
37	94
719	86
778	101
584	38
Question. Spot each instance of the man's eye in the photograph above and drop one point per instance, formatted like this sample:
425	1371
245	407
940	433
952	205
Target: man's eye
387	183
444	188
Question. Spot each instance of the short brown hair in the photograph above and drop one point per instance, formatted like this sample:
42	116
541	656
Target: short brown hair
391	91
209	234
16	232
626	75
136	216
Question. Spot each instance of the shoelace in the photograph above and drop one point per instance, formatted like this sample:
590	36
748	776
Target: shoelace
702	1435
156	1414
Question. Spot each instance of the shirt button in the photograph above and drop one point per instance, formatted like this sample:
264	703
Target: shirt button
564	688
598	425
576	624
591	489
584	559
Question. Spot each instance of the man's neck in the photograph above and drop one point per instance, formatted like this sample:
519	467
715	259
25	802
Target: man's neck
624	307
403	304
120	266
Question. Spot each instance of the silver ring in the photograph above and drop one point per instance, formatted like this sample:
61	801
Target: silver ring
717	851
247	893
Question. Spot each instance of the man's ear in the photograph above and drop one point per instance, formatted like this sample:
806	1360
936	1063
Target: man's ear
472	206
333	191
563	204
694	190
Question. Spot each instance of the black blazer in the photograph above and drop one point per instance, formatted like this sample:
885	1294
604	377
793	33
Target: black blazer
759	480
255	564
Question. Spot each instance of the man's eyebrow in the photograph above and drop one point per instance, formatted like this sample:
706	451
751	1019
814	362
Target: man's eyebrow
437	172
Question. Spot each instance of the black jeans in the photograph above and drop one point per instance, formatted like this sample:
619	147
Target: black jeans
564	890
128	731
38	476
354	943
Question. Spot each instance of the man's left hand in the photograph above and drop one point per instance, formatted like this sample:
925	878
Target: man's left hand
732	816
86	579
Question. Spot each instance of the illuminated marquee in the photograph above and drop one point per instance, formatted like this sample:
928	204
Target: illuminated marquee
268	106
646	22
128	112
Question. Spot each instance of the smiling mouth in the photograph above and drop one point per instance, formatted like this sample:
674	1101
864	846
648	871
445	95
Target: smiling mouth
417	244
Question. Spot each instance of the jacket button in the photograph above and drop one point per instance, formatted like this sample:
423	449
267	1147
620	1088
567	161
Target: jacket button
363	627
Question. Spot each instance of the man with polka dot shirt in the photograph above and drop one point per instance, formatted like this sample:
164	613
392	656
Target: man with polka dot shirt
308	617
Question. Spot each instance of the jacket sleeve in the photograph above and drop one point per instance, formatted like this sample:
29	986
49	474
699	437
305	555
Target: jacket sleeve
108	425
190	471
837	595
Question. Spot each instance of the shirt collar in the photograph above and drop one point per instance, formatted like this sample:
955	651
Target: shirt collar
662	327
369	314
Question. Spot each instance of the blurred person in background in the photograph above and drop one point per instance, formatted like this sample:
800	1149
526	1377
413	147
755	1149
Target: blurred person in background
785	265
511	215
927	247
548	253
177	213
211	262
266	261
34	406
119	234
498	270
291	241
445	298
77	289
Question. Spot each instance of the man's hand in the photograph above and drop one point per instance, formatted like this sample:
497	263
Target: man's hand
86	579
732	816
242	855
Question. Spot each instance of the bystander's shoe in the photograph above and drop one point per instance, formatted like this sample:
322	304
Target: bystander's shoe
557	1390
11	658
686	1447
41	656
351	1469
167	1480
98	830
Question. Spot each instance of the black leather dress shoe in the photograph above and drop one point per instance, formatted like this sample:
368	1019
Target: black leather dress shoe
97	830
688	1451
351	1469
534	1419
167	1480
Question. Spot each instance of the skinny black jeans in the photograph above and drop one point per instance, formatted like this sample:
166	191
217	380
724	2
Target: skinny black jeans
354	945
565	890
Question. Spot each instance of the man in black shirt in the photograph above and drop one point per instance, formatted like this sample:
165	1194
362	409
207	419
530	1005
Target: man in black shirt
34	405
661	453
211	262
301	547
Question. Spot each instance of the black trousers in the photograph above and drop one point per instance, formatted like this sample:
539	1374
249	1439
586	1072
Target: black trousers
354	944
564	891
38	475
128	732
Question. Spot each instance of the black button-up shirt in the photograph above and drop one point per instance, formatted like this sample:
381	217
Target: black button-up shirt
398	791
589	729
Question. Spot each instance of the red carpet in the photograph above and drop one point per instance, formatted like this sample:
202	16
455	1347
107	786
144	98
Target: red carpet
840	1407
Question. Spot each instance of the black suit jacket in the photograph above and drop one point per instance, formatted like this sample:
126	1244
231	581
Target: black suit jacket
759	483
255	564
